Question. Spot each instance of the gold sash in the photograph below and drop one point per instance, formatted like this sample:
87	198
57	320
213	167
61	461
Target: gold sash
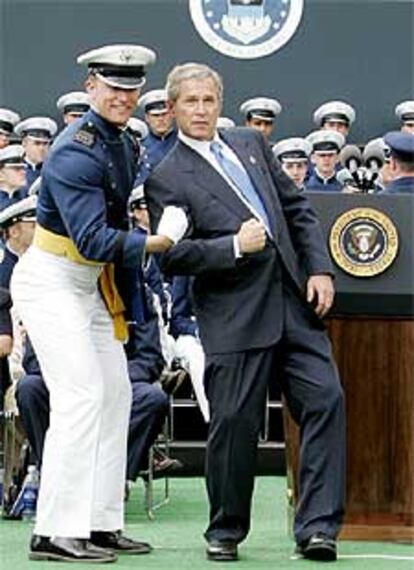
64	247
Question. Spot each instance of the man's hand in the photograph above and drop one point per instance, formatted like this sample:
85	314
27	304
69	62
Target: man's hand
6	345
320	290
158	244
251	236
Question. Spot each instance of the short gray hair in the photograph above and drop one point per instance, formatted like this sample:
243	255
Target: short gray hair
188	71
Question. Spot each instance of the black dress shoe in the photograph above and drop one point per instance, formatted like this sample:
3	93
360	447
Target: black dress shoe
318	547
115	541
67	550
222	550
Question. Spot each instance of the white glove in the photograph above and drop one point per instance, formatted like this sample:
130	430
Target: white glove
173	223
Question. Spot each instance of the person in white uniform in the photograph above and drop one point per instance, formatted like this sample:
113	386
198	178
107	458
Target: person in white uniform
73	290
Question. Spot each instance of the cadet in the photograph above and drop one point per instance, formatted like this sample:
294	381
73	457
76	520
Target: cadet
326	145
405	112
260	113
162	132
36	134
335	115
8	120
12	175
17	223
401	162
82	240
294	154
73	105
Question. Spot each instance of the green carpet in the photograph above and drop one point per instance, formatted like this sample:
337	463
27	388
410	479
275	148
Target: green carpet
176	534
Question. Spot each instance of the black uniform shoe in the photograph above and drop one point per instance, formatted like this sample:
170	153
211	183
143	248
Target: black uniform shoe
116	542
318	547
222	550
67	550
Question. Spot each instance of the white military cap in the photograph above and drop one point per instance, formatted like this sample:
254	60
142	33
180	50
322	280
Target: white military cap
154	102
294	149
225	123
405	111
378	143
8	120
12	155
39	128
261	108
74	102
334	111
326	140
138	127
21	211
121	65
137	197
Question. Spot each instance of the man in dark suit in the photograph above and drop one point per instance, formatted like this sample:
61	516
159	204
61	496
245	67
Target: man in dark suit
262	283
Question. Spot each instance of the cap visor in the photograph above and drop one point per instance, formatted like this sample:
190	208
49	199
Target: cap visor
122	82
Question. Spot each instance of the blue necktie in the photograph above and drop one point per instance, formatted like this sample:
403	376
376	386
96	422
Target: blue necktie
241	180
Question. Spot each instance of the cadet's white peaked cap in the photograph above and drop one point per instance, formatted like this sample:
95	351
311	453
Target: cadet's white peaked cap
21	211
12	155
326	140
120	65
405	111
335	111
8	120
138	127
39	128
294	149
261	108
225	123
73	102
154	102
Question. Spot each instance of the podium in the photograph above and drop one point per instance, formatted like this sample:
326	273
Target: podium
372	332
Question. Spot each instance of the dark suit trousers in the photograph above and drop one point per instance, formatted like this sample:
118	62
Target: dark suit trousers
236	386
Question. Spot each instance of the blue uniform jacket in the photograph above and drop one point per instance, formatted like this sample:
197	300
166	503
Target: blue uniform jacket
86	180
32	173
8	261
403	185
318	184
7	199
154	149
182	314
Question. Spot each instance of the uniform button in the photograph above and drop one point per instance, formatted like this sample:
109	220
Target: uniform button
113	185
110	164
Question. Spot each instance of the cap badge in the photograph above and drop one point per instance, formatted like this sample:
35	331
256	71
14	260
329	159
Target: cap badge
125	56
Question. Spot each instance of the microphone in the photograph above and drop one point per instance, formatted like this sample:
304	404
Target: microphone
344	177
351	158
373	157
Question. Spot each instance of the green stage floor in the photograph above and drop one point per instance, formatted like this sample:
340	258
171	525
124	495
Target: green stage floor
176	534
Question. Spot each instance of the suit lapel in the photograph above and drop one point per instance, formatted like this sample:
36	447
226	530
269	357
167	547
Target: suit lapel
208	178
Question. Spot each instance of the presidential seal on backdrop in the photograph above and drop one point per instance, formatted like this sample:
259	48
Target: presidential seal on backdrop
363	242
246	29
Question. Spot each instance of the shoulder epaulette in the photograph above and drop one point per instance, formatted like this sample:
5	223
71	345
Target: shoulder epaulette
86	135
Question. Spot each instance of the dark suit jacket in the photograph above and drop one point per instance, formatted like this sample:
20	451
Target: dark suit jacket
237	301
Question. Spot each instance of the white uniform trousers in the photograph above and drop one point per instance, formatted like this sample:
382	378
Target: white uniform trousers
191	354
85	370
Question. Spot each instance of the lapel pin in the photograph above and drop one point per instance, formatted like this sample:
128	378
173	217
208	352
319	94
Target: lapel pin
252	159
